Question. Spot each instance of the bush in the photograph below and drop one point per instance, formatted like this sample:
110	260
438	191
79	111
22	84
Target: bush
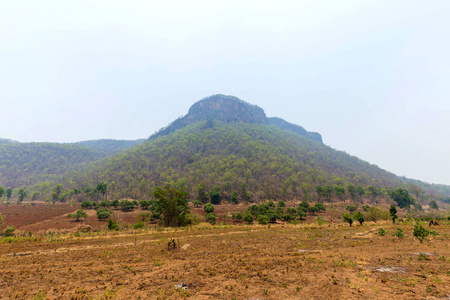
271	204
145	204
420	232
139	225
115	203
236	216
80	214
155	216
375	213
87	204
103	214
193	219
358	216
113	224
381	232
211	218
393	213
351	208
288	218
253	209
347	218
281	204
197	203
304	204
263	219
320	207
127	205
313	209
208	208
300	213
143	216
399	233
248	217
320	221
172	205
263	209
9	231
291	211
366	208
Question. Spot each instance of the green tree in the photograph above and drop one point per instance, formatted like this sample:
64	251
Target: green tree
2	191
208	208
351	208
351	190
348	218
281	204
202	194
215	196
80	214
57	193
393	213
145	204
22	195
1	220
313	209
234	198
339	191
320	207
173	205
8	194
197	203
434	205
271	204
211	218
103	214
248	217
358	216
236	216
102	189
402	197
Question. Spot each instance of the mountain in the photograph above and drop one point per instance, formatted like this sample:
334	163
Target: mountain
24	164
226	144
230	109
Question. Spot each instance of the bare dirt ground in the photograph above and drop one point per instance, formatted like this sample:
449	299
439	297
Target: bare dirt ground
282	261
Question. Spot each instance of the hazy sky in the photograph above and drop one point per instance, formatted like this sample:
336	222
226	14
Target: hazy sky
373	77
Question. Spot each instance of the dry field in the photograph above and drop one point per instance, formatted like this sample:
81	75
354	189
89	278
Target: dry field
283	261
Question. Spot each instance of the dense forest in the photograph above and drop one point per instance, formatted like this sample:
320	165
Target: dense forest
254	161
24	164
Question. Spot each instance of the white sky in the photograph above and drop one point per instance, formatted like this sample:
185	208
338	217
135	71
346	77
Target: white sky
371	76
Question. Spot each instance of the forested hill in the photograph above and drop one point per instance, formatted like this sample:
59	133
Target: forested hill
29	163
109	146
258	161
230	109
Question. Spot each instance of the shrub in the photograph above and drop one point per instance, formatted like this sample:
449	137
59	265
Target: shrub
420	232
313	209
288	218
208	208
279	211
193	219
103	214
300	213
197	203
155	216
87	204
215	196
143	216
381	232
281	204
138	225
253	209
9	231
263	209
113	224
236	216
211	218
291	211
172	205
399	233
115	203
271	204
393	213
248	217
351	208
80	214
263	219
127	205
358	216
366	208
375	213
234	198
320	207
304	204
145	204
320	221
347	218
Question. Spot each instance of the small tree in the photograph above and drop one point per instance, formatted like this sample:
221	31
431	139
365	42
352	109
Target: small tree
358	216
248	217
351	208
103	214
402	197
127	205
281	204
271	204
234	198
22	195
79	214
347	218
236	216
291	211
215	196
420	232
197	203
173	205
366	208
320	207
2	191
393	213
113	224
8	194
433	205
145	204
211	218
313	209
208	208
304	204
301	213
263	219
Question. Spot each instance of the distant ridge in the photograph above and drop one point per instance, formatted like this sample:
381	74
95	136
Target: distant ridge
230	109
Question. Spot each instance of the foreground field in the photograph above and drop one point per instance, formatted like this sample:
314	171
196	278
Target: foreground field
229	262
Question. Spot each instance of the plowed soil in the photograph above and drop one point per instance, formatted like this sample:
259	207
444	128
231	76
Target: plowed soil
283	261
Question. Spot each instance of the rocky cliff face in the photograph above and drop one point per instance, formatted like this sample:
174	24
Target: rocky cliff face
230	109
